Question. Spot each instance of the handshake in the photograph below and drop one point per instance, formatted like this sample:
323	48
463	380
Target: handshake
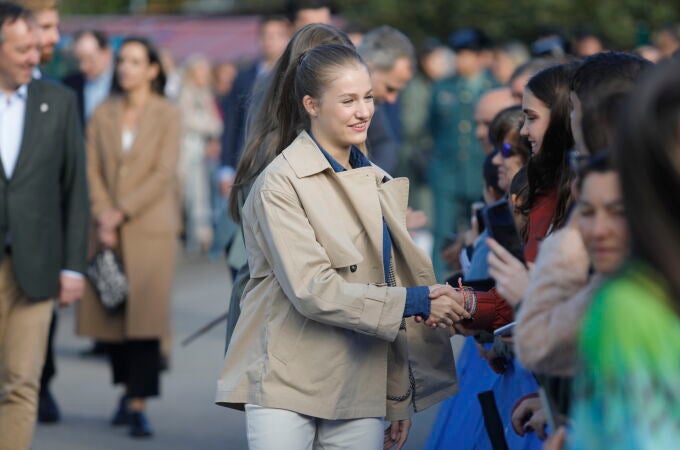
449	305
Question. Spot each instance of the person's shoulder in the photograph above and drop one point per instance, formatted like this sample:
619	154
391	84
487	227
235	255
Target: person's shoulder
631	309
50	88
445	83
163	107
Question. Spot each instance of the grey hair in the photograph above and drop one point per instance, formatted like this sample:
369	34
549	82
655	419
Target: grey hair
383	46
516	50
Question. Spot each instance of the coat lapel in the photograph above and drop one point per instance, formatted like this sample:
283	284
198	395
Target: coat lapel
146	125
360	187
31	132
393	197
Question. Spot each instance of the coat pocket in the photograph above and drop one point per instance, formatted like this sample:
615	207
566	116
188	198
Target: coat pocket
284	340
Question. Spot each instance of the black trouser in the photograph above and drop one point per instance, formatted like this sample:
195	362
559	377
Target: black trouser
50	367
136	364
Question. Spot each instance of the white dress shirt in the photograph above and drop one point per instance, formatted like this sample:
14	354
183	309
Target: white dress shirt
12	113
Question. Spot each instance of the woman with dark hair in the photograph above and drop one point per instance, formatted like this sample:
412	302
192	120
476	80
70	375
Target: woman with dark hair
263	143
627	394
547	127
133	142
326	345
548	130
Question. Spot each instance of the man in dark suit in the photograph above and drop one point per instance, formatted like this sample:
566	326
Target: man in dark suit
44	216
92	83
274	33
390	56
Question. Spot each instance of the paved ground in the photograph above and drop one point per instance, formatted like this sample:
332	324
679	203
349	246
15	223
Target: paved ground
184	417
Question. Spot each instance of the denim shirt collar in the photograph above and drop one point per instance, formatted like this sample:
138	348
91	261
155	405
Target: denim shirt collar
356	157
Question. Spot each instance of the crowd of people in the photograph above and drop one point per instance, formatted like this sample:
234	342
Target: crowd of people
371	202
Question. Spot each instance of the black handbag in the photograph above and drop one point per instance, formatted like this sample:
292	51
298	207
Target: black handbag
105	272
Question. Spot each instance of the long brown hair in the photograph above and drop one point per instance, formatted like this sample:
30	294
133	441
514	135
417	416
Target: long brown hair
549	169
265	139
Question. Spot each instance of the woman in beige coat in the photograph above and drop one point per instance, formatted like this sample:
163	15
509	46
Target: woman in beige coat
326	345
132	149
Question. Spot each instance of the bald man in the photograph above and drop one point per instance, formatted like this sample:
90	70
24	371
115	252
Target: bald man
487	107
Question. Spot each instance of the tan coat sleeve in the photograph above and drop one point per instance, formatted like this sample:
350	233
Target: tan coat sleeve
165	172
303	269
550	316
100	198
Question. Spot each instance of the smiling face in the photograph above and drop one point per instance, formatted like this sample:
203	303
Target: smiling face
388	84
602	221
340	118
19	54
536	120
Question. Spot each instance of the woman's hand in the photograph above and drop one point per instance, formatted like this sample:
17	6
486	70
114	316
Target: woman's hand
446	307
108	238
557	440
528	415
396	434
110	219
511	275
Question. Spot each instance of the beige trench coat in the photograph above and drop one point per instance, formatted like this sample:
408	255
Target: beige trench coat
143	184
319	332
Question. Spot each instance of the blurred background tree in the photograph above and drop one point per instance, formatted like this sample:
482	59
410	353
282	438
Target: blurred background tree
622	23
619	22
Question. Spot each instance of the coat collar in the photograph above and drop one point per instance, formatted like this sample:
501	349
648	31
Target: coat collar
146	125
305	157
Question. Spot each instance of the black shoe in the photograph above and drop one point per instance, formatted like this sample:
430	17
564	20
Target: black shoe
139	425
122	414
48	411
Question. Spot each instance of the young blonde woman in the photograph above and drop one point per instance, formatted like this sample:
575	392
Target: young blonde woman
325	346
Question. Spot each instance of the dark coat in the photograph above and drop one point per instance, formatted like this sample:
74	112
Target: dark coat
235	108
44	206
76	81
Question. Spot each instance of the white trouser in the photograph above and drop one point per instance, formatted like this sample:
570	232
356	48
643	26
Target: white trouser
280	429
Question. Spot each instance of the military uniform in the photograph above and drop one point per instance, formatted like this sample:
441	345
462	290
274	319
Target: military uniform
456	167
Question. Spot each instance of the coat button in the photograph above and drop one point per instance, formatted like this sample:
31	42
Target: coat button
353	268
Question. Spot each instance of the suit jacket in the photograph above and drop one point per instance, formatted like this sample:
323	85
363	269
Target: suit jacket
320	332
236	107
76	81
382	143
44	209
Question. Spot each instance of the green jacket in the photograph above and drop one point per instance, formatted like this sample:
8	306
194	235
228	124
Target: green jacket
457	158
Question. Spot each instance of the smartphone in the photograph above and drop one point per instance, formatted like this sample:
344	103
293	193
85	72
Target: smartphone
552	415
505	330
501	226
